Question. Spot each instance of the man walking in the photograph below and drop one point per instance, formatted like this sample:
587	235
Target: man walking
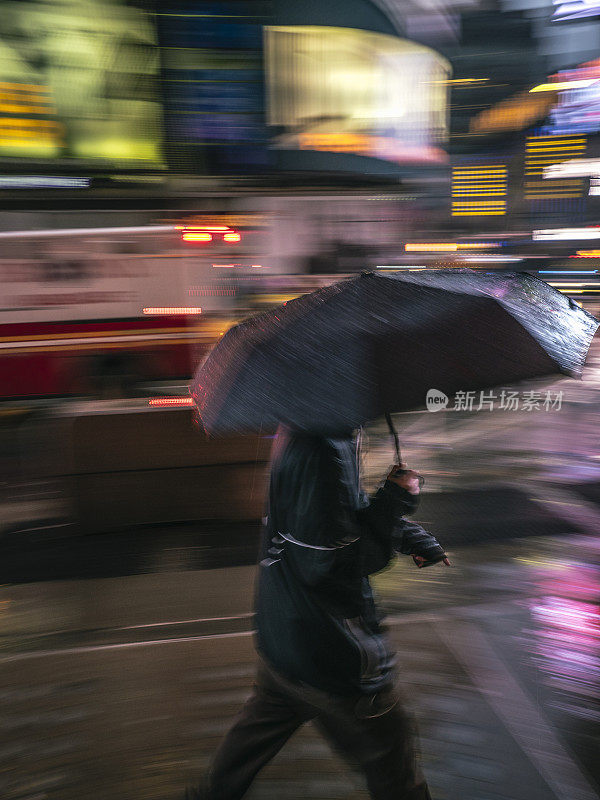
323	656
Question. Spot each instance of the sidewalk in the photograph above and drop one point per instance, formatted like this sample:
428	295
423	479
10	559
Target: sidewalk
133	708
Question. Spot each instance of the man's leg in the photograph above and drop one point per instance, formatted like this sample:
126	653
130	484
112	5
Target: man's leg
264	725
381	740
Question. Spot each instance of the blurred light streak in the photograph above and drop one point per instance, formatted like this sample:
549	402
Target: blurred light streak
458	81
560	85
553	142
67	232
43	182
554	139
276	299
575	9
424	247
478	213
171	401
567	271
397	266
496	193
210	228
543	147
477	245
487	186
565	234
584	167
492	258
172	310
587	254
416	247
232	237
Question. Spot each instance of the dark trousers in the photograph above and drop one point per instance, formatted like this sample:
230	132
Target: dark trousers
374	734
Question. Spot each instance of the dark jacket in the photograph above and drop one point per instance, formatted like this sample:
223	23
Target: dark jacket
315	615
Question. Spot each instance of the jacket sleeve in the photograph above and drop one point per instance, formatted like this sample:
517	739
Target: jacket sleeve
346	542
385	531
409	537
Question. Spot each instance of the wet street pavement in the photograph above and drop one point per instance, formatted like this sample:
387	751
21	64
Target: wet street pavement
125	656
121	687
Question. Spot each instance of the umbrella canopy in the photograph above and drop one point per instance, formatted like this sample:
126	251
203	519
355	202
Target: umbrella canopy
333	359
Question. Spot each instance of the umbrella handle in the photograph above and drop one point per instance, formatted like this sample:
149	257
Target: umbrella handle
394	432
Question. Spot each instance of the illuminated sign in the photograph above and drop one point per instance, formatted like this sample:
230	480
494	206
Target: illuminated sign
543	151
79	83
343	90
26	119
578	107
479	190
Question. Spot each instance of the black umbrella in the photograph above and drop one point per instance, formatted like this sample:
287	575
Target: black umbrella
333	359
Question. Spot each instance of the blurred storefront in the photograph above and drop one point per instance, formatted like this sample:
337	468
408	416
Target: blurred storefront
149	96
354	93
314	134
79	83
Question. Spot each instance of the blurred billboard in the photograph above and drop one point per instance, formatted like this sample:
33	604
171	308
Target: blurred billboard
79	80
578	106
345	90
211	88
575	10
212	57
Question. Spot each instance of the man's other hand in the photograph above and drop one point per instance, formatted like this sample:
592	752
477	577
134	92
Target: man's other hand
423	562
409	479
